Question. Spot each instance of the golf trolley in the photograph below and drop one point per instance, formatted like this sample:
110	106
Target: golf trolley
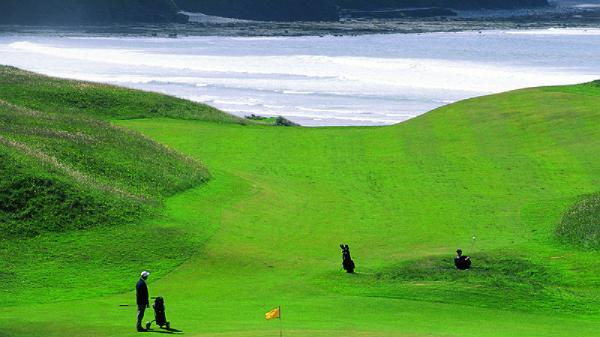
159	314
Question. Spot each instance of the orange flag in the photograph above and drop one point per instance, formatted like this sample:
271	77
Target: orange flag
275	313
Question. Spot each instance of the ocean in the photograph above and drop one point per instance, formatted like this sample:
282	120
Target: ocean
377	79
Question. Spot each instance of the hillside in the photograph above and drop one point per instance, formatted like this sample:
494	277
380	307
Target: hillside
87	12
493	175
63	168
580	224
101	101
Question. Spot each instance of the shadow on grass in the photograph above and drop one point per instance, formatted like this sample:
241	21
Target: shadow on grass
165	331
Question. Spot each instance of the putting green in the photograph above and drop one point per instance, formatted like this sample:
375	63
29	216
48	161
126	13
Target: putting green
267	226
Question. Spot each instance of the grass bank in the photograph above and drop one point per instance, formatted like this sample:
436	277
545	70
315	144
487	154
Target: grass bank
76	191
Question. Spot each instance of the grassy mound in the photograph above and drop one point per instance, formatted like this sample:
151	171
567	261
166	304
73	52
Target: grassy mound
33	200
55	95
496	280
580	225
65	167
76	192
62	172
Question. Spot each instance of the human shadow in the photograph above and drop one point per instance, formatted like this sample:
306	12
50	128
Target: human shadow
165	331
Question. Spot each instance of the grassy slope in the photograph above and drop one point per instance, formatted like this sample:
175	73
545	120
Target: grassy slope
49	94
63	168
580	225
502	168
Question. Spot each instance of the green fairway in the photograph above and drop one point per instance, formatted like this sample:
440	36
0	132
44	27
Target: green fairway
492	175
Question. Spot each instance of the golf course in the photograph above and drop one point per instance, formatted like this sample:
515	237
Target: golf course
235	217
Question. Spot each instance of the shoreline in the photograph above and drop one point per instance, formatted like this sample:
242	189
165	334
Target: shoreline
317	81
572	17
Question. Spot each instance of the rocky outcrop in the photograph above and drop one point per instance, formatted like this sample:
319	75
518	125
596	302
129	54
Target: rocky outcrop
329	10
452	4
265	10
82	12
400	13
94	12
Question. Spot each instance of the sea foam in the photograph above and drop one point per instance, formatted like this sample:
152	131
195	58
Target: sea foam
370	80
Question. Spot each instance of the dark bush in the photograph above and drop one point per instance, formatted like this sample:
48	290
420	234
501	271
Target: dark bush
282	121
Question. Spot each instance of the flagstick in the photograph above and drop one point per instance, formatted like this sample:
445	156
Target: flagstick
280	324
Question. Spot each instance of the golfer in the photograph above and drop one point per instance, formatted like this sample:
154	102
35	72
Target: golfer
462	262
141	295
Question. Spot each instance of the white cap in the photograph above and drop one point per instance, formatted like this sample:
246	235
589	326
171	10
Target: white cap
145	274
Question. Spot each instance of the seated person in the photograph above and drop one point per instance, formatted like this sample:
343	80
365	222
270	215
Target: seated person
462	262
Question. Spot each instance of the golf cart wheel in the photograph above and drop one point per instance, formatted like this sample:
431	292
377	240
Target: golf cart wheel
148	325
168	325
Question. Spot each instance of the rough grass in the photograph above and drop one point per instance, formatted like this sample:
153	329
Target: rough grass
97	153
78	98
62	172
34	200
274	121
580	225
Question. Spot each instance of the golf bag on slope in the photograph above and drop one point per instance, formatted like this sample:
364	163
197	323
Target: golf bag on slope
159	314
347	262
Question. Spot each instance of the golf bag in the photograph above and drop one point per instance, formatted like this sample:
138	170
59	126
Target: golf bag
347	262
159	314
462	263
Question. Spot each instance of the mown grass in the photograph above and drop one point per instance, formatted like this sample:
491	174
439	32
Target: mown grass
499	280
581	89
55	267
503	168
580	224
265	230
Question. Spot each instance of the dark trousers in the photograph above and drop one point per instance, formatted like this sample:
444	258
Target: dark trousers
140	316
